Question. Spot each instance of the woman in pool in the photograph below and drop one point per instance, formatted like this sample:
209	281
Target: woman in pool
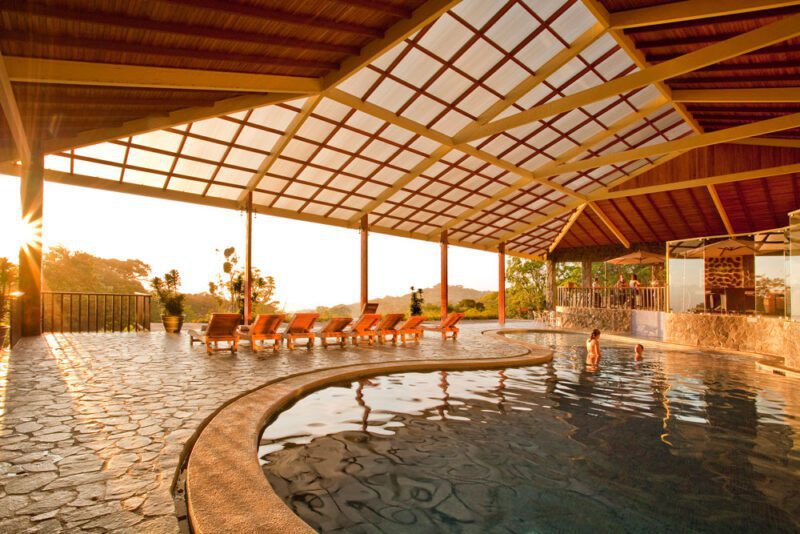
637	352
593	348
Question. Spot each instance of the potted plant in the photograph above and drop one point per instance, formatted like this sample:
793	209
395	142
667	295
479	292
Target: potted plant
171	300
7	277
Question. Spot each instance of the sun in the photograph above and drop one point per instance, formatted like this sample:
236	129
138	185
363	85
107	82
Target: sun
25	233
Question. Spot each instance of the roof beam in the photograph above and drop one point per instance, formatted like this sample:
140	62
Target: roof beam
720	209
536	222
552	65
181	116
567	226
610	225
421	17
562	158
280	145
737	96
638	57
690	10
769	141
727	135
766	172
11	112
179	196
776	32
400	183
56	71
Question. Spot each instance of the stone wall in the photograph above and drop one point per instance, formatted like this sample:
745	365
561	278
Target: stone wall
617	321
764	335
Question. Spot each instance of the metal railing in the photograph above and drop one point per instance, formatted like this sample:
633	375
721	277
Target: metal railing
68	311
644	298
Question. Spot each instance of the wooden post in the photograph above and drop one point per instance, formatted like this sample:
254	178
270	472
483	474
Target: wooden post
501	284
248	261
364	261
550	265
586	273
443	287
30	253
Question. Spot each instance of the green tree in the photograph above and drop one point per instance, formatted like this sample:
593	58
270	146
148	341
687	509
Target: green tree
527	283
229	287
64	270
8	279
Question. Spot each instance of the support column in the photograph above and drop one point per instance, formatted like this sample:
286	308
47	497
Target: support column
30	254
586	273
364	261
443	288
501	283
550	283
248	262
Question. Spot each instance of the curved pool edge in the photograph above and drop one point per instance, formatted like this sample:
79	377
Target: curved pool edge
222	499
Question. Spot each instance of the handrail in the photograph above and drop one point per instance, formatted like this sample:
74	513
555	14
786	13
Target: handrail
643	298
77	311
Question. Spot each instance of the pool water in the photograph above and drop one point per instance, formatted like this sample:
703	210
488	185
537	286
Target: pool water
679	442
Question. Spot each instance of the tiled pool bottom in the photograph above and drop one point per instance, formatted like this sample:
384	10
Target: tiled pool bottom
681	441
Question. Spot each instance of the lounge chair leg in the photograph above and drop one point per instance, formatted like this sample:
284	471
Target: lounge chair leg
209	350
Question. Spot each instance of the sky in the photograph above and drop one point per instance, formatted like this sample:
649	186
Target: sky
313	264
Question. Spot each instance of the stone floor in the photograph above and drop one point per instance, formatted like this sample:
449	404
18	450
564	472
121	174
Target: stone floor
92	425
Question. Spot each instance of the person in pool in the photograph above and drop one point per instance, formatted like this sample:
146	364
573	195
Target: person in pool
637	352
593	348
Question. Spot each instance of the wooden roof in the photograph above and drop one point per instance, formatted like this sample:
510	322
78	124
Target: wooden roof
490	122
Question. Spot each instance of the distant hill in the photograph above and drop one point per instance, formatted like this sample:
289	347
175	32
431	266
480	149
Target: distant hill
391	304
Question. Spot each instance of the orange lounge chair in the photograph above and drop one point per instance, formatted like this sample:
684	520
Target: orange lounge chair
369	307
221	327
362	328
264	328
300	327
411	328
334	329
447	326
388	327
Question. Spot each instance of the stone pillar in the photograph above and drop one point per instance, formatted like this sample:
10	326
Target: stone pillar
364	261
550	284
501	284
443	287
248	261
586	273
30	254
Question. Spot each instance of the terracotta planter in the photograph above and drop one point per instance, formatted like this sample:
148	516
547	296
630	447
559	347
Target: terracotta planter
172	323
3	335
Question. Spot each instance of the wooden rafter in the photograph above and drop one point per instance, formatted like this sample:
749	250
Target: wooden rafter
536	222
738	96
625	42
572	218
9	105
570	154
779	31
610	225
769	141
723	215
297	122
56	71
727	135
690	10
167	194
149	124
698	182
421	17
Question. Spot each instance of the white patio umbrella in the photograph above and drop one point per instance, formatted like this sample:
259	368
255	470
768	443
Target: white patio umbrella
726	248
638	258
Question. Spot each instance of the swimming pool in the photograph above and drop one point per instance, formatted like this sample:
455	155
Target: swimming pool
681	441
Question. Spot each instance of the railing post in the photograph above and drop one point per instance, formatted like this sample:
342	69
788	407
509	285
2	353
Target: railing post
550	284
501	283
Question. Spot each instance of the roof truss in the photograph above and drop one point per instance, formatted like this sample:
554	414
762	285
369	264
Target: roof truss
690	10
10	110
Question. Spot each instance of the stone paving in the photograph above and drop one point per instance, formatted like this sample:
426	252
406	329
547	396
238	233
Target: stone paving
92	425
